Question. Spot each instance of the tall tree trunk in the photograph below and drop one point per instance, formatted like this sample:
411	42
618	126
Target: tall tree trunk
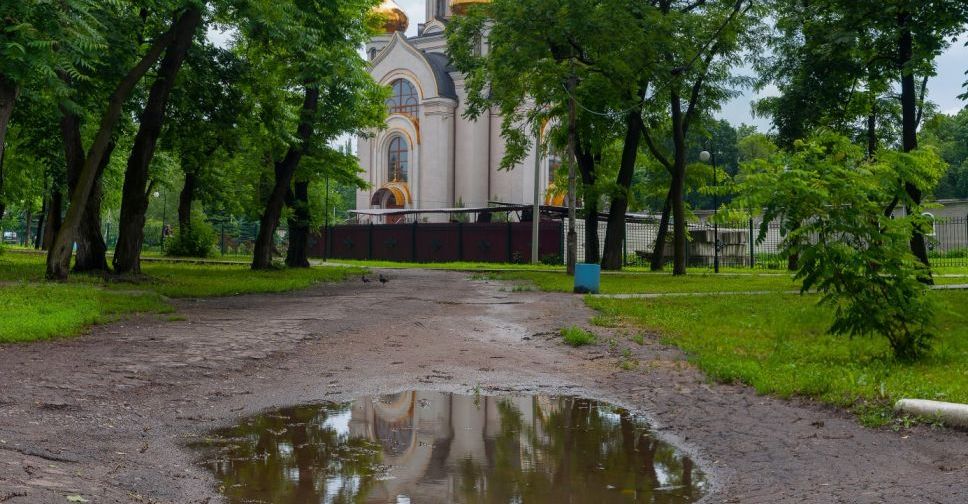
185	200
8	98
298	254
586	165
40	226
91	250
678	188
3	201
615	231
909	120
53	220
134	195
284	171
59	257
662	235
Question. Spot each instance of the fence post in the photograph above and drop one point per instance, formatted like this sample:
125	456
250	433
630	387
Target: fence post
460	241
369	243
413	242
510	250
752	245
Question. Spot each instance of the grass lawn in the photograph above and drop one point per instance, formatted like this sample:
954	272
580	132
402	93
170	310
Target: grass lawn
778	343
655	283
31	309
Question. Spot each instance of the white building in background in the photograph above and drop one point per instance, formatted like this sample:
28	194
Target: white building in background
430	156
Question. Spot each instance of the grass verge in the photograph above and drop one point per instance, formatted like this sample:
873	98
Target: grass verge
780	346
31	309
778	343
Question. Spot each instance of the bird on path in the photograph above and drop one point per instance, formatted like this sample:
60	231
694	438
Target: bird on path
384	280
366	280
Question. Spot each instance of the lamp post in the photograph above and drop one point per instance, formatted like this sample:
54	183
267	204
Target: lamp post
710	157
536	209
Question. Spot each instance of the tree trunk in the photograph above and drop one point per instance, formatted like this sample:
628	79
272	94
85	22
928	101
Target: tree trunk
59	258
284	172
615	231
909	120
678	188
586	165
134	195
91	250
298	254
53	221
40	226
662	236
185	200
8	98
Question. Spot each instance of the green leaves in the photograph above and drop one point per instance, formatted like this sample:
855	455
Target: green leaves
830	200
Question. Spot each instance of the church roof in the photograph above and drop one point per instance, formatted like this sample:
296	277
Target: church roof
440	64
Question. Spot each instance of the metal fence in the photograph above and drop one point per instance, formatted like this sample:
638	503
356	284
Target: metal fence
740	245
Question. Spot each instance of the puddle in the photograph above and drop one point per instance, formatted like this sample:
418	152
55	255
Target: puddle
435	447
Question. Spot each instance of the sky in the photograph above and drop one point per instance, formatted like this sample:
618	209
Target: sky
943	90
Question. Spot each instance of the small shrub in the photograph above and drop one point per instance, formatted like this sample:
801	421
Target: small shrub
576	336
553	260
197	240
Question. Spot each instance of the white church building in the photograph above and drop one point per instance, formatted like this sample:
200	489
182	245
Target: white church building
429	155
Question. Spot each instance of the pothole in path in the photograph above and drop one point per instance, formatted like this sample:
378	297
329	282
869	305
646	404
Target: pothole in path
436	447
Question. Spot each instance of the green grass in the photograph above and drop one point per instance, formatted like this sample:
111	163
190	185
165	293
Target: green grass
33	312
576	336
31	309
779	345
654	283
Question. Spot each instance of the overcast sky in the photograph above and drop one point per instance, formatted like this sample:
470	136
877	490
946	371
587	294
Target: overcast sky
942	90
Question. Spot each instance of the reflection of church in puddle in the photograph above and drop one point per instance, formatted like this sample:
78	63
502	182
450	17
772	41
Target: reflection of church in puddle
440	447
425	435
430	156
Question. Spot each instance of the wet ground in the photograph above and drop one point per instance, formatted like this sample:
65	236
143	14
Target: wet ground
438	447
109	417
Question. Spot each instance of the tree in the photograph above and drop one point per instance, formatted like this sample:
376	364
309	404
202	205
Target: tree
206	107
828	47
703	40
43	40
828	197
579	65
59	255
313	50
134	203
949	135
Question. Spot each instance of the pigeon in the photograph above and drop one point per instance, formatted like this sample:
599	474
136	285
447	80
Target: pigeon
366	280
383	280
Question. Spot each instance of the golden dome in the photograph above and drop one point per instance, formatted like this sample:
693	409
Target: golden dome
395	20
461	6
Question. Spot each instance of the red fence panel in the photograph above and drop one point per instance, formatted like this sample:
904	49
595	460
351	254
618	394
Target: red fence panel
480	242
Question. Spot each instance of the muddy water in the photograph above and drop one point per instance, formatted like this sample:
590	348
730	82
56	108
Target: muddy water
433	447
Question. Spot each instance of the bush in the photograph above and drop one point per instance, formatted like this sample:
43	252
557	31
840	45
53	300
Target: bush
829	199
576	336
197	240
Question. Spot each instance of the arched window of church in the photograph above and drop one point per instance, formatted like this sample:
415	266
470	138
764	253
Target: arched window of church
404	99
398	155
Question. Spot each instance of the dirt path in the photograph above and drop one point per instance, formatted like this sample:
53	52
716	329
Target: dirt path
105	416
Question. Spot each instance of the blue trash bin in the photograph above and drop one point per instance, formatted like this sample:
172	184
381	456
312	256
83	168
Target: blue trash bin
588	278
